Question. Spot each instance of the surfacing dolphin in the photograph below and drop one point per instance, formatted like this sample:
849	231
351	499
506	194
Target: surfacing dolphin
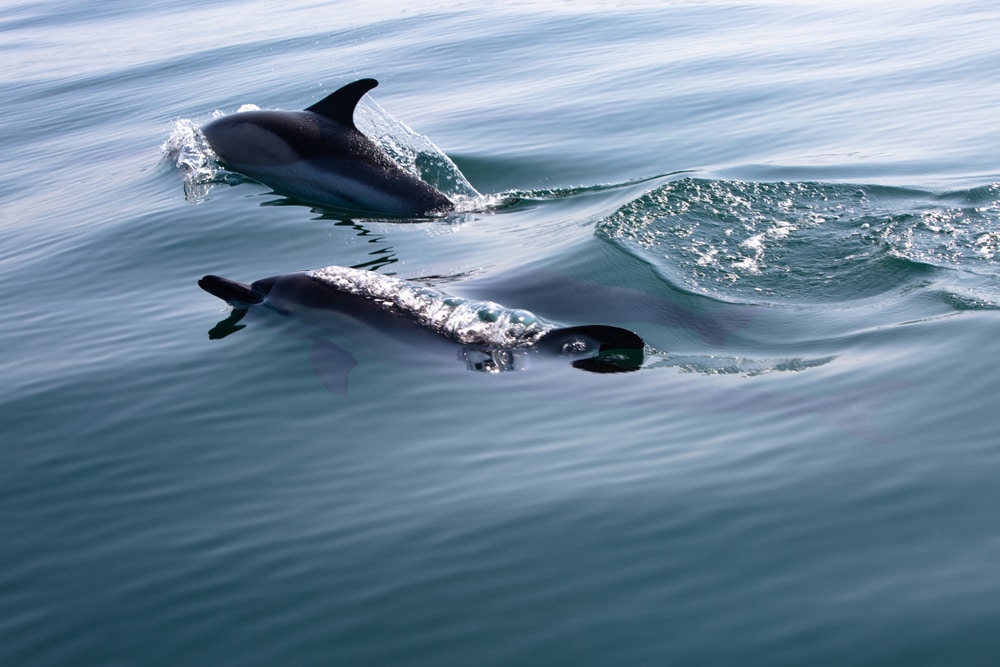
320	157
492	338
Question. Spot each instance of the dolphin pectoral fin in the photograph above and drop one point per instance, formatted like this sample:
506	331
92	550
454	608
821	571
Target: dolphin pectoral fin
333	365
230	291
339	105
229	325
598	348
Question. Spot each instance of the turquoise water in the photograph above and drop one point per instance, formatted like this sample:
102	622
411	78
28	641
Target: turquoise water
797	207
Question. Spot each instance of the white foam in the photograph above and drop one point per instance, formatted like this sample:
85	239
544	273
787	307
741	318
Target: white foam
481	323
190	152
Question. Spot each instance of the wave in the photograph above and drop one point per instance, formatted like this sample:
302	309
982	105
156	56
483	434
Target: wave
808	242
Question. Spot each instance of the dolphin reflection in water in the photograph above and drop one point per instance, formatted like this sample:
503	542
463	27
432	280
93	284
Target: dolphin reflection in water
348	303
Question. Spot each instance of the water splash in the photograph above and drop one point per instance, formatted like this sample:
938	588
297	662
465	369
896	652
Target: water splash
480	323
413	151
189	151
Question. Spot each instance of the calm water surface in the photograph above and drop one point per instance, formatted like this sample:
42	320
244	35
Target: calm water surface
796	206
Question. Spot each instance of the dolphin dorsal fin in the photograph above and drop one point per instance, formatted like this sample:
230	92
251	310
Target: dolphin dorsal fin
339	105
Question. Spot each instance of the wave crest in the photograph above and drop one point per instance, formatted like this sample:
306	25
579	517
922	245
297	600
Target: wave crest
805	241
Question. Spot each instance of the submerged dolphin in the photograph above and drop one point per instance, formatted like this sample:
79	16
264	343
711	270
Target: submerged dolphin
491	338
320	157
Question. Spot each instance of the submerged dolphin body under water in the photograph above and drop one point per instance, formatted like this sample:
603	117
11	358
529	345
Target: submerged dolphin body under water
320	157
342	301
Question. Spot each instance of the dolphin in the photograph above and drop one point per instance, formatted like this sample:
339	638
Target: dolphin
320	157
490	338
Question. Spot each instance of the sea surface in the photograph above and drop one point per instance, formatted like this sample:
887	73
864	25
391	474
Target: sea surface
796	206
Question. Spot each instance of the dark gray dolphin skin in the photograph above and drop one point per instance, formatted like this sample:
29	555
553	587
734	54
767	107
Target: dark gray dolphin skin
319	157
364	305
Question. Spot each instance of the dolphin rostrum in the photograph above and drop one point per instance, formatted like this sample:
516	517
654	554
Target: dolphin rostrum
320	157
491	338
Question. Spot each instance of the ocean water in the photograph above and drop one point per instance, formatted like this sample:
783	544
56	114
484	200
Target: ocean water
797	206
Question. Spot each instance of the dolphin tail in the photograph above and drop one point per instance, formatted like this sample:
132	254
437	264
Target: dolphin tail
236	294
608	349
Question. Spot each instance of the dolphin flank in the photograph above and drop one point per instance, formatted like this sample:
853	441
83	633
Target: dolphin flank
320	157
